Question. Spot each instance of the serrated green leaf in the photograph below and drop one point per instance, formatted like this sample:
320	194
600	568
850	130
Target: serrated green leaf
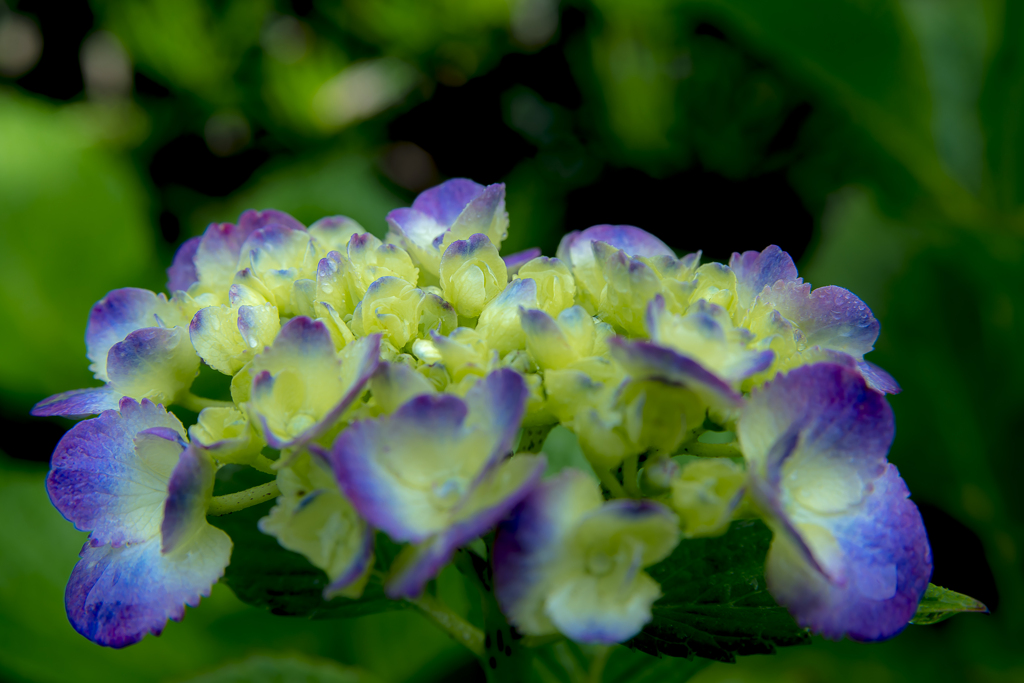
264	669
716	603
939	604
264	574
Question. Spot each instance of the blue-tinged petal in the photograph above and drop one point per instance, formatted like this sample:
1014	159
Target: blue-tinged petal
334	232
484	214
188	497
419	234
301	386
228	336
408	473
830	317
608	598
459	203
576	250
216	257
513	262
529	545
278	256
646	360
390	467
446	201
877	378
154	363
109	475
252	220
489	502
756	270
116	595
227	434
819	419
886	559
182	273
499	321
472	274
313	518
118	314
395	383
850	555
78	403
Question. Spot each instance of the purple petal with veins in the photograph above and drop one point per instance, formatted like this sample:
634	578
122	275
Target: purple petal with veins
78	403
446	201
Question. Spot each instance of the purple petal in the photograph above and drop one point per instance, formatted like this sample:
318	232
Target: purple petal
216	258
887	560
646	360
410	577
425	427
532	537
78	403
416	228
831	317
153	362
756	270
878	379
816	441
116	595
519	259
188	496
114	317
446	201
304	346
356	569
182	272
575	247
828	412
252	220
480	214
98	481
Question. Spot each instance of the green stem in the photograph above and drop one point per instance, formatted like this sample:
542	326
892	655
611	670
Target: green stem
195	403
233	502
629	472
610	482
597	664
712	450
460	630
264	464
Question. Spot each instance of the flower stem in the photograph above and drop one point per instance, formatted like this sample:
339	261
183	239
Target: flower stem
195	403
629	472
610	482
460	630
597	663
712	450
233	502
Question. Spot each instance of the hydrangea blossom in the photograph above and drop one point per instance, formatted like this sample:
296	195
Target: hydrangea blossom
403	388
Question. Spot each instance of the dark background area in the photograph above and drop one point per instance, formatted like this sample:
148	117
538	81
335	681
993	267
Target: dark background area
877	142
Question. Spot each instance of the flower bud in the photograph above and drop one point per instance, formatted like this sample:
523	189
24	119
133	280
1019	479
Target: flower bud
472	274
556	288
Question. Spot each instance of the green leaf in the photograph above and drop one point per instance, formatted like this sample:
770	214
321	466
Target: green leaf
632	666
716	603
939	604
264	574
264	669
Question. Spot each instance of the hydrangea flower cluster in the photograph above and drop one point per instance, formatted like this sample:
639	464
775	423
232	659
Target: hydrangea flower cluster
405	387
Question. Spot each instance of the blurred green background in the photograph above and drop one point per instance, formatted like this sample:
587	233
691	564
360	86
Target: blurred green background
880	142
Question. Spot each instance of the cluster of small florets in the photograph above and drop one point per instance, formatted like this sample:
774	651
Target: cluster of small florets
406	387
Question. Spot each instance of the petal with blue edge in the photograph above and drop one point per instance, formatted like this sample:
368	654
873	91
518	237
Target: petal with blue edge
831	317
154	363
117	315
109	475
182	273
850	555
116	595
488	503
78	403
756	270
301	386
